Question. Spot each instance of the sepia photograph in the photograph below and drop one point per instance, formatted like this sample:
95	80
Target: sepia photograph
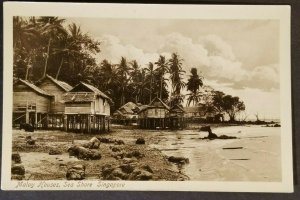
103	101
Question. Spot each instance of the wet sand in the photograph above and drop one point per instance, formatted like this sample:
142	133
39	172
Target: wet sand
254	156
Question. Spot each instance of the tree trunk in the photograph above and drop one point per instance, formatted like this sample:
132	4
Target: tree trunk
150	90
161	80
60	66
47	57
27	72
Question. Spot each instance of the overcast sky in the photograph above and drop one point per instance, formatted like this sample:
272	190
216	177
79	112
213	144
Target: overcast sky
238	57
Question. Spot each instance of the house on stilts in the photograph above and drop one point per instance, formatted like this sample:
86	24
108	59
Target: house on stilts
176	117
31	104
154	115
87	109
57	89
126	114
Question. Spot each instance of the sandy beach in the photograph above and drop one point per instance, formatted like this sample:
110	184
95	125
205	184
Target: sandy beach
254	156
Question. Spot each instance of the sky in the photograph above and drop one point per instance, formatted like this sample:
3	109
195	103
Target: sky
238	57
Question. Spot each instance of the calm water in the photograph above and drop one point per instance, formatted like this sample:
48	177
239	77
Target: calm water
209	161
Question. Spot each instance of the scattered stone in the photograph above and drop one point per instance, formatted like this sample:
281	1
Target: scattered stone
62	165
135	153
147	168
84	153
55	151
140	175
94	143
140	141
104	140
115	149
17	177
127	168
76	172
17	169
15	157
178	160
30	142
119	142
28	137
27	127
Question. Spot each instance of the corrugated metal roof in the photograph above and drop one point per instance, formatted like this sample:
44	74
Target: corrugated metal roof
35	88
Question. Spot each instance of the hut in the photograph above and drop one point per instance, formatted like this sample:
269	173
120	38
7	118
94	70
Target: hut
126	114
154	115
87	109
176	117
31	104
56	88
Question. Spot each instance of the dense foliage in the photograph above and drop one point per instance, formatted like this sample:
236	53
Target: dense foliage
47	45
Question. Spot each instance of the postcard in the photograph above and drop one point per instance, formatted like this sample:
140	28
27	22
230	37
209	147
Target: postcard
147	97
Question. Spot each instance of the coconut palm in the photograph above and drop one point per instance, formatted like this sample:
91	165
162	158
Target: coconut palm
162	69
51	27
150	75
177	82
123	71
193	85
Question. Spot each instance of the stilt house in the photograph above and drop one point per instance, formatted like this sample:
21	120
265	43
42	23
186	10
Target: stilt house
126	114
176	117
56	88
87	109
154	115
30	104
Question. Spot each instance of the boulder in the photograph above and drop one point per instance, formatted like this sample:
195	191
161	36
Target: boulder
27	127
84	153
15	157
17	169
119	142
147	168
115	149
106	171
55	151
76	172
94	143
140	174
17	177
140	141
178	160
104	140
127	168
135	153
30	142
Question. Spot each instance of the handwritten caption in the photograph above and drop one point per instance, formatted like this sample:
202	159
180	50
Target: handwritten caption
69	185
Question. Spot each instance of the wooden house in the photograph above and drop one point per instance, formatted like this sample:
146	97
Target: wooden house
56	88
154	115
176	117
87	109
126	114
31	104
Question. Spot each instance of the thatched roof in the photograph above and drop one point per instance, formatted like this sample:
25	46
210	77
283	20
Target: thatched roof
63	85
177	108
33	87
156	103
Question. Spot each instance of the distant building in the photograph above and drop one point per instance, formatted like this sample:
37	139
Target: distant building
200	113
176	117
31	104
126	114
56	88
87	109
154	115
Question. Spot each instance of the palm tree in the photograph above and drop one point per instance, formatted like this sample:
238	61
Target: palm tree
51	27
193	85
150	74
70	45
177	82
123	70
162	70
